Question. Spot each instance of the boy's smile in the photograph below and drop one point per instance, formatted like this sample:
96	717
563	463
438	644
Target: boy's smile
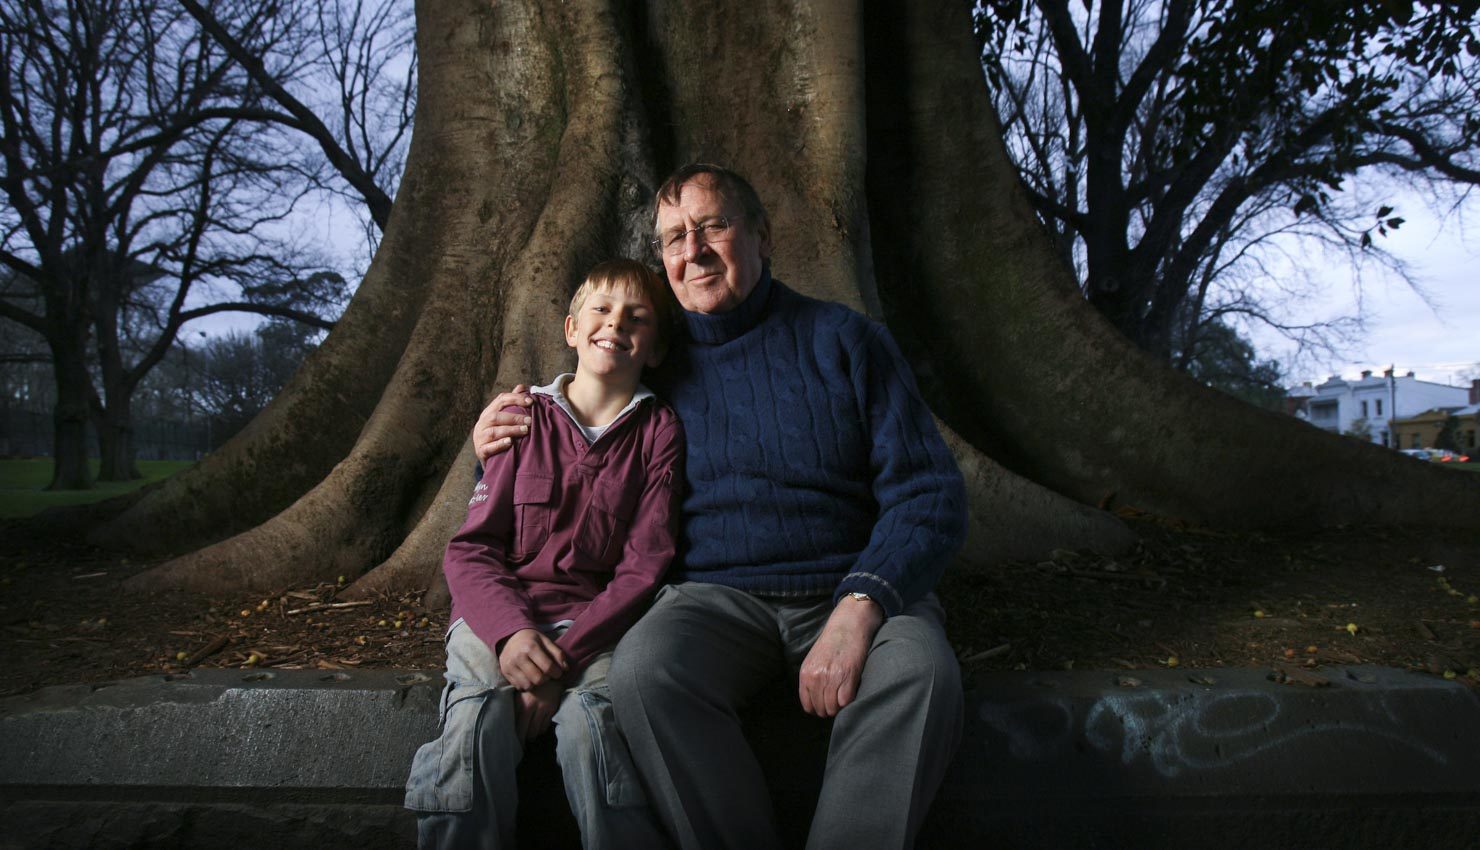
615	334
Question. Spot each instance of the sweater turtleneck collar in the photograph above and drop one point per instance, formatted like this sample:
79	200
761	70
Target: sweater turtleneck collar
718	328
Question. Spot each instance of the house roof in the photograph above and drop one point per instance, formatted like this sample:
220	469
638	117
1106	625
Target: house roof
1437	413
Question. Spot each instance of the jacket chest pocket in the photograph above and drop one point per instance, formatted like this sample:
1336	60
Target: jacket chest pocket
534	511
602	529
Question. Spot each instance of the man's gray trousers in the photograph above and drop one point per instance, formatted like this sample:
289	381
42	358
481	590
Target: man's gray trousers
682	673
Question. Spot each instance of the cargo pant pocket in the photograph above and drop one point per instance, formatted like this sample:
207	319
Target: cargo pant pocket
441	777
598	744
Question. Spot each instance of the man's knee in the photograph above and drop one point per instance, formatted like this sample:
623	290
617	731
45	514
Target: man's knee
636	680
639	665
915	656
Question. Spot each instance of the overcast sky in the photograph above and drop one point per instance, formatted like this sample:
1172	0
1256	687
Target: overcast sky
1435	342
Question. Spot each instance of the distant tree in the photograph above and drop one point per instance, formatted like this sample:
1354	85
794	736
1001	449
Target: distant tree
1360	429
131	188
237	374
25	380
147	181
1448	436
1220	358
340	72
1174	148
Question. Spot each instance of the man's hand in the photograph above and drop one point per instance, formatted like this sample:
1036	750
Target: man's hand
496	430
534	708
834	666
529	659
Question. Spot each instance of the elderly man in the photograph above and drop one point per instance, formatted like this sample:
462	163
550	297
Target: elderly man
821	508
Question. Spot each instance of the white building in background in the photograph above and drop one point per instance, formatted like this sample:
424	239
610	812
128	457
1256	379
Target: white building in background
1343	406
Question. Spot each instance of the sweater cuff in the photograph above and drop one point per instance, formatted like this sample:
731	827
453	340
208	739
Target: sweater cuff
878	589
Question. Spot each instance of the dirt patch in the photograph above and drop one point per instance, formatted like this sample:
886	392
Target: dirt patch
1182	597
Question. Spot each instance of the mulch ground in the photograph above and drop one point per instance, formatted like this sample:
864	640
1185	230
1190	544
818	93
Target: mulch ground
1183	597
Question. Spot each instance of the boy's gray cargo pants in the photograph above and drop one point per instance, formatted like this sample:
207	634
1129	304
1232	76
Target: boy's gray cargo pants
462	784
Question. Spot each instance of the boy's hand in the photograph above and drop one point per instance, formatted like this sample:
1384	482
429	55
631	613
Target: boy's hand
534	708
529	659
496	430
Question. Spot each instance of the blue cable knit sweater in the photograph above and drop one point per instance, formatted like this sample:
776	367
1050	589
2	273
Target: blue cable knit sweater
814	467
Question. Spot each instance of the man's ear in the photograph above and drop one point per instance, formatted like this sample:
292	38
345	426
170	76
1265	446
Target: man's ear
570	331
764	232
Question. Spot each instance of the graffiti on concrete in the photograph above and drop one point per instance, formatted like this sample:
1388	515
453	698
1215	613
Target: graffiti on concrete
1176	731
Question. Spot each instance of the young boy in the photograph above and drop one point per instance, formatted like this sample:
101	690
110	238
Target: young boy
567	538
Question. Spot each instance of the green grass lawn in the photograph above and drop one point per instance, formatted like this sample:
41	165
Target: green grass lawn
21	483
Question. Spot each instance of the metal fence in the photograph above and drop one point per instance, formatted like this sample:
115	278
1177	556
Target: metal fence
28	433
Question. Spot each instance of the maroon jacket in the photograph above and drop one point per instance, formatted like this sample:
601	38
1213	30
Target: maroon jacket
559	530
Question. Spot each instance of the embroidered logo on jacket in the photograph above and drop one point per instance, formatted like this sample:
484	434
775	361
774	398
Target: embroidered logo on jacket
479	494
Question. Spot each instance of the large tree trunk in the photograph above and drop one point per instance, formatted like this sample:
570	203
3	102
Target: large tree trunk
116	449
69	417
113	413
541	132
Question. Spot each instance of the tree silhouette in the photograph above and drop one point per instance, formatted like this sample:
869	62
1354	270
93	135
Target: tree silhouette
542	131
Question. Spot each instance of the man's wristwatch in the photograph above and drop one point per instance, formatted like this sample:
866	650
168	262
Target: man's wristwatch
862	597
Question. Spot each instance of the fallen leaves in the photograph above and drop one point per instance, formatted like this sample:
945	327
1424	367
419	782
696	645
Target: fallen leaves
266	633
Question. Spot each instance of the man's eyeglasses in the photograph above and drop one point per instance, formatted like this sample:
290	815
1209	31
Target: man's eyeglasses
717	229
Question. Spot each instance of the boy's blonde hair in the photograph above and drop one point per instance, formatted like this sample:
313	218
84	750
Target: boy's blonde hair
632	276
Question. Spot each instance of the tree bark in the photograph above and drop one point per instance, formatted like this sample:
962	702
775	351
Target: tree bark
113	413
69	417
541	132
116	449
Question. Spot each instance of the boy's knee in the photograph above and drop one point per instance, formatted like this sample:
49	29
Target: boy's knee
593	755
575	735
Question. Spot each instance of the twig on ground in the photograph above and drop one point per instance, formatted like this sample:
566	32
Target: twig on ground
207	651
1108	576
988	653
325	606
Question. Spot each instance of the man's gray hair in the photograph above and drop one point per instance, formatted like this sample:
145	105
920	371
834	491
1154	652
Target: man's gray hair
730	186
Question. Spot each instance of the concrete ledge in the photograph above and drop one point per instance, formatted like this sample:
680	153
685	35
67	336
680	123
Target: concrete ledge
1225	758
269	758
